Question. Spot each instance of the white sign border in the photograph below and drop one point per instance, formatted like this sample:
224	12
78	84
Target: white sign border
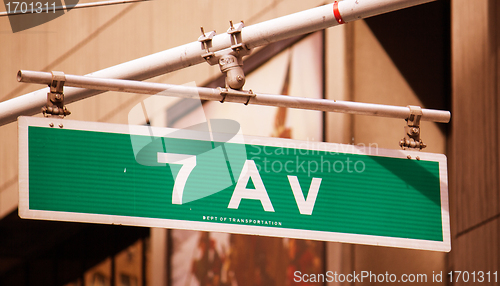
26	213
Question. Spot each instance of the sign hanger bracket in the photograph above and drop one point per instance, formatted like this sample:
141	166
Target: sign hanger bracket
55	98
412	138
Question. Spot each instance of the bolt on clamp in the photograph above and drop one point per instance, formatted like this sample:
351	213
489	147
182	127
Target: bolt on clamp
412	130
242	93
206	40
55	98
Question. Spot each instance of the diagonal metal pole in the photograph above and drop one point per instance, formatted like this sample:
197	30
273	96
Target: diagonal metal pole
190	54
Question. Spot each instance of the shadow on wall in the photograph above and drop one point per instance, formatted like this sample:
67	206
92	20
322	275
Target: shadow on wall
419	46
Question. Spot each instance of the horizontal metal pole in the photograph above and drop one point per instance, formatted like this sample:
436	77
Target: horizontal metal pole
214	94
190	54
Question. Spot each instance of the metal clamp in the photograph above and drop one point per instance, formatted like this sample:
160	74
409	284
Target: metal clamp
235	32
55	98
230	60
412	130
206	40
228	91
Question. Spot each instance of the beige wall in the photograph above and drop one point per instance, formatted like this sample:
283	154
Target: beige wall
474	174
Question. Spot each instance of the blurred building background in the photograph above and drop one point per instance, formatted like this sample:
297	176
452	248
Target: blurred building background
440	55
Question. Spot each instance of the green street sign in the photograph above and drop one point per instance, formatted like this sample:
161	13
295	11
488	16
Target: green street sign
226	182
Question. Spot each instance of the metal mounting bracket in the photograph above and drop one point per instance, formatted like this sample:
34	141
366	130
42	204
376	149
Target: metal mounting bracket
206	40
230	60
243	93
232	66
235	32
55	98
412	130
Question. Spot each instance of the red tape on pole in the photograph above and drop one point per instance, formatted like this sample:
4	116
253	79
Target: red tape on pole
336	13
